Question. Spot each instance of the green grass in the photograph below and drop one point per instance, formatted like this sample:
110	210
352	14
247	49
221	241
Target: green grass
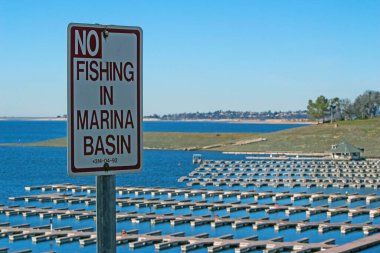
55	143
316	138
319	138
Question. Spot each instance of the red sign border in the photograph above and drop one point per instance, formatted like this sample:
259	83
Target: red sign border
111	170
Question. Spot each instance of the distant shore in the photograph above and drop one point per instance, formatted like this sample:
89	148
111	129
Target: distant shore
35	118
235	121
313	138
240	121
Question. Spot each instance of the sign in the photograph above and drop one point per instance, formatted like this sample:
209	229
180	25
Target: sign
104	99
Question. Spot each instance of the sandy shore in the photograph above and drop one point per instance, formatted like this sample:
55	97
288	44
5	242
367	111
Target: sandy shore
235	121
245	121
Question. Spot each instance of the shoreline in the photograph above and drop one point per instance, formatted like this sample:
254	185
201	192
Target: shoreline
32	119
232	121
240	121
308	138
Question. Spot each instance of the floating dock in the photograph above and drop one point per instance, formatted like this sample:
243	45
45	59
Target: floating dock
250	211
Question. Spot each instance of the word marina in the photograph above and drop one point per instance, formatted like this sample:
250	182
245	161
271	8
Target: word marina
105	119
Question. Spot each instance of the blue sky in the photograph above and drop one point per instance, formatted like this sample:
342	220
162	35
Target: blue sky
200	55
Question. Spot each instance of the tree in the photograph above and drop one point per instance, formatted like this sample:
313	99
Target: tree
346	109
367	105
317	109
334	108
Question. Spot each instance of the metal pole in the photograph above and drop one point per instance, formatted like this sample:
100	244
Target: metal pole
105	214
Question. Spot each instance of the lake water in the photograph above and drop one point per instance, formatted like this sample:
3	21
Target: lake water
215	127
27	166
31	131
48	165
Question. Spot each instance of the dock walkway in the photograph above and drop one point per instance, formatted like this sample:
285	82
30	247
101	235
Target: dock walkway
245	211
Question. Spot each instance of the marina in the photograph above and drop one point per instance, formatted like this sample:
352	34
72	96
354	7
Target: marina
183	219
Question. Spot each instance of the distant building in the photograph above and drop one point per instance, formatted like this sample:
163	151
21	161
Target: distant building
345	151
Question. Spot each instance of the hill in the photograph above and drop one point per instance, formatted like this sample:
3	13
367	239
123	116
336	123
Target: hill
316	138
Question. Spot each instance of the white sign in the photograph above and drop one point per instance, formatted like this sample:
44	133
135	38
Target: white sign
104	99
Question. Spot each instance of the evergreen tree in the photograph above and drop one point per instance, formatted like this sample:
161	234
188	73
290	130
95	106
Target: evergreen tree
317	109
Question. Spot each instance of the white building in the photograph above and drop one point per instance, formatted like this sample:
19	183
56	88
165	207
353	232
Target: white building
345	151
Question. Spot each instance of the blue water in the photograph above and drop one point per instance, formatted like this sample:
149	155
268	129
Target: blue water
24	166
27	166
214	127
13	131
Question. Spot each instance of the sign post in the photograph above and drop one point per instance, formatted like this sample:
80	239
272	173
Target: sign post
105	214
104	113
